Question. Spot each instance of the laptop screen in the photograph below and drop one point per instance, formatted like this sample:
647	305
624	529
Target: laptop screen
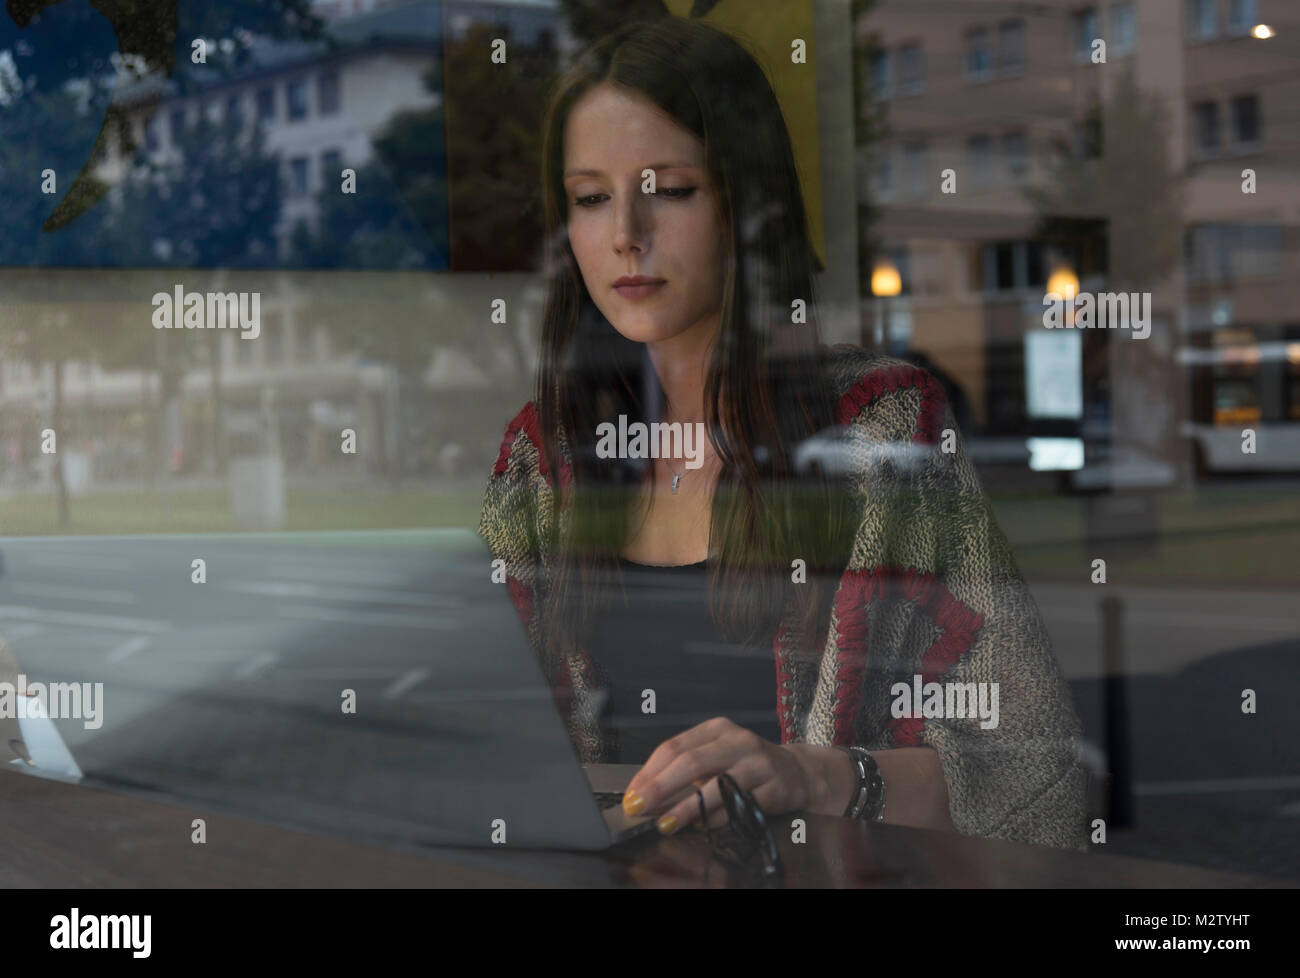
375	684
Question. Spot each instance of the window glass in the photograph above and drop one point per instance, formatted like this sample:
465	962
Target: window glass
979	60
320	387
911	59
1205	116
979	154
1245	120
1011	46
1083	31
266	104
882	79
1015	153
1202	19
1242	15
1123	27
298	176
297	95
916	166
328	94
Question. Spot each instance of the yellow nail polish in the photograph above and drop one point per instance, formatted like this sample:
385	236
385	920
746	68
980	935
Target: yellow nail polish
632	804
667	824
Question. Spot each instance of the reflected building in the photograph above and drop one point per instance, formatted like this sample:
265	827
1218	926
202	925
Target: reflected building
319	110
1003	98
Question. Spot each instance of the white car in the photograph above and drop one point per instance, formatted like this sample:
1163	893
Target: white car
841	449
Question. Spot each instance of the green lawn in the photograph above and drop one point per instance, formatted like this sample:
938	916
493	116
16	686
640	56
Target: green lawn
1237	535
208	511
1240	535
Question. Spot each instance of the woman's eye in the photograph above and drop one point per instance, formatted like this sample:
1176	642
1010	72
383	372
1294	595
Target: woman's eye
673	193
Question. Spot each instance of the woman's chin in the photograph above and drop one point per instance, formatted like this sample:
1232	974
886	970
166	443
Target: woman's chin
645	332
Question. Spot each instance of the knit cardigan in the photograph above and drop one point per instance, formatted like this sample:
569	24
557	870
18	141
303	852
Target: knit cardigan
931	589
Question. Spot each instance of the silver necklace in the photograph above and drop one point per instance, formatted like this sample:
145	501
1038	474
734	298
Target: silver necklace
677	476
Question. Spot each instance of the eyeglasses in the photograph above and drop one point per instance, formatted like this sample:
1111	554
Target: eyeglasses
746	843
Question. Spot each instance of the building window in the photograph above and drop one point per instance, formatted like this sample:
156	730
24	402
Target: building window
176	125
298	186
1123	28
997	268
331	165
1245	121
1015	154
911	68
328	94
882	75
297	100
1088	135
1083	31
1205	122
1008	265
266	104
1222	252
234	111
1242	16
1011	47
884	173
1202	19
151	135
915	165
979	158
978	59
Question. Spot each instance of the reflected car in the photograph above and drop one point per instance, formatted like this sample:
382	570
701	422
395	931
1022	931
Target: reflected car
840	449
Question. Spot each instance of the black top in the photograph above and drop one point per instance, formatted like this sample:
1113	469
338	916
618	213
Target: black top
665	640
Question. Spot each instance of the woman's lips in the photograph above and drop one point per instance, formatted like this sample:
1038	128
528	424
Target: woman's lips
638	291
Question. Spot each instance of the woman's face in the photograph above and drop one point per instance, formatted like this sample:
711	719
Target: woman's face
673	236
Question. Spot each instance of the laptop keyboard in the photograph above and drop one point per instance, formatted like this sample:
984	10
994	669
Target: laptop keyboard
607	799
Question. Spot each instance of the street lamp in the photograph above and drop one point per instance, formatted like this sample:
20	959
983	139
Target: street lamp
885	283
1063	282
885	279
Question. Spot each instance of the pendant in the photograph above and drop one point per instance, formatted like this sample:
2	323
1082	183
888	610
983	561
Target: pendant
676	479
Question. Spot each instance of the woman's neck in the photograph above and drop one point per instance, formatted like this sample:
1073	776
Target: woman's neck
682	363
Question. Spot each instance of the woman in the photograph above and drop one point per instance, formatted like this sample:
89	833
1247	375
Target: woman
680	291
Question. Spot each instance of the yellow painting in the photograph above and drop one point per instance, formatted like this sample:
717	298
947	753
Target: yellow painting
769	29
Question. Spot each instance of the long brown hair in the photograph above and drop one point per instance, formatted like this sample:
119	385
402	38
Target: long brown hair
766	389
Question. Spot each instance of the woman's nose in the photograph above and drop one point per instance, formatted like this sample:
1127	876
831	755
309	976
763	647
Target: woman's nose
631	222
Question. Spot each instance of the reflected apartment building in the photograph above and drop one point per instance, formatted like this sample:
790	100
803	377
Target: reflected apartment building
319	111
1199	209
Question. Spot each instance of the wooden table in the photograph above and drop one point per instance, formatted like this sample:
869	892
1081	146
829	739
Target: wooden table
63	835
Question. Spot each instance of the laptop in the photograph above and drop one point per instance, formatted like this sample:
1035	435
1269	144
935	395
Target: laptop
373	684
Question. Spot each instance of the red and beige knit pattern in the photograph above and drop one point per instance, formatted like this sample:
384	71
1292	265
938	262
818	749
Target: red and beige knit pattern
930	590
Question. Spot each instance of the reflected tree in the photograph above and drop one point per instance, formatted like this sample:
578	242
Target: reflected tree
1119	176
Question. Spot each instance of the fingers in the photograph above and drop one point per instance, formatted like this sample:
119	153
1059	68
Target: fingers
692	766
673	747
748	772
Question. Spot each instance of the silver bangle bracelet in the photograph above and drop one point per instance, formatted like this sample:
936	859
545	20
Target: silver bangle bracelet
868	799
860	789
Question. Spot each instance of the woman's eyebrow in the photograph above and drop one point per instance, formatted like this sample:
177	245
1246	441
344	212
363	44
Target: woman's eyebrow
587	172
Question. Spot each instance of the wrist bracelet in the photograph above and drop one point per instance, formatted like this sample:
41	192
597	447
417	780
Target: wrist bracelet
868	801
859	789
